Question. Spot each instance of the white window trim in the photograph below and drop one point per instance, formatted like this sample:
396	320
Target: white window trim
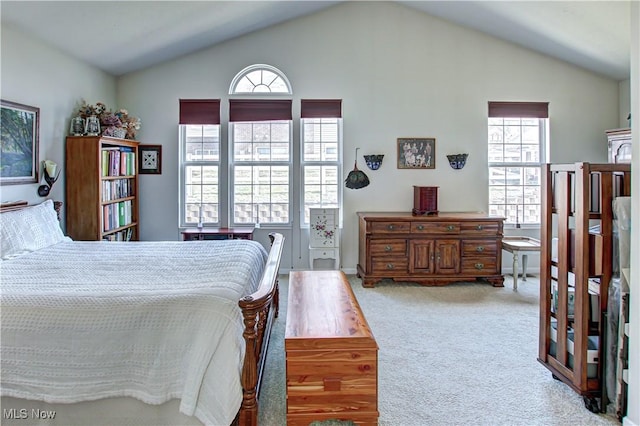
544	158
183	164
231	184
338	163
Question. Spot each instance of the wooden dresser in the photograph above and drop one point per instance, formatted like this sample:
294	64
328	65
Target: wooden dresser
430	250
331	354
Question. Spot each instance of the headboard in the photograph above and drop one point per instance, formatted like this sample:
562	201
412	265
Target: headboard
19	205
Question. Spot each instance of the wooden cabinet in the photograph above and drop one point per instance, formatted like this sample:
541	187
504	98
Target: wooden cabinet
576	269
619	145
430	250
101	188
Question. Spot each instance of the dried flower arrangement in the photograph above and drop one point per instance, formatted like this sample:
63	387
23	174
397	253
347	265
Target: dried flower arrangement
111	121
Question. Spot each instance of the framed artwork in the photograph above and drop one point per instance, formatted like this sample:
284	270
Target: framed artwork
19	141
416	153
150	159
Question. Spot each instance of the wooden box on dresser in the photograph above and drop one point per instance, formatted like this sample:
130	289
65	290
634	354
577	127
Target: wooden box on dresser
101	188
431	250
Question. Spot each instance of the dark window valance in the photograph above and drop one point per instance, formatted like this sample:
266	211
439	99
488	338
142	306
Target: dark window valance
321	108
199	111
519	109
259	110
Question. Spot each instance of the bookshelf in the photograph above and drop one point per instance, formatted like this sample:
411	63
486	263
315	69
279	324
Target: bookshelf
575	273
101	188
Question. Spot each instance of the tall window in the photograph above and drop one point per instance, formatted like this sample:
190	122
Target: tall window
321	128
517	138
261	161
199	140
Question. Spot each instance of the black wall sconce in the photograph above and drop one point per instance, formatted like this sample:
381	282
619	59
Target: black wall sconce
457	161
374	161
51	174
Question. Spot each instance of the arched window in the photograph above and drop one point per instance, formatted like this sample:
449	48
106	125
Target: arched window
260	78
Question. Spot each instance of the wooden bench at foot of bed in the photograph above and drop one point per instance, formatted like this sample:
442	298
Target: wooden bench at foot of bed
331	354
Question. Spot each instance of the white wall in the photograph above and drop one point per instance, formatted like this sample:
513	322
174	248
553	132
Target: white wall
624	90
400	73
37	75
633	410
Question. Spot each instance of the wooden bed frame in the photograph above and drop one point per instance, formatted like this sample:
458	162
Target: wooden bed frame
259	310
575	197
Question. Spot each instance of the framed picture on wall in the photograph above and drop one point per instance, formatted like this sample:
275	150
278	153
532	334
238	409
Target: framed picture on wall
416	153
150	159
19	134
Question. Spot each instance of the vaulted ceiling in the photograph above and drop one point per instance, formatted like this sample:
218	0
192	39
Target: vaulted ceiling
120	39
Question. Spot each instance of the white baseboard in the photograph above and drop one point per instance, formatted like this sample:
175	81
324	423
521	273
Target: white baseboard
627	422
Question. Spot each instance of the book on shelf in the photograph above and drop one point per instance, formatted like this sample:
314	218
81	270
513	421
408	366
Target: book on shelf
118	161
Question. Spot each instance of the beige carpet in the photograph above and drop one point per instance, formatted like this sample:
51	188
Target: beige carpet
463	354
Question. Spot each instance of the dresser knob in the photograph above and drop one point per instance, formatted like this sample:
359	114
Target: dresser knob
420	227
387	248
450	228
480	248
479	266
390	227
479	227
389	265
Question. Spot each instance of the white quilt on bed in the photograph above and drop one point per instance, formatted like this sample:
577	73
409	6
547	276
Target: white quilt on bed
149	320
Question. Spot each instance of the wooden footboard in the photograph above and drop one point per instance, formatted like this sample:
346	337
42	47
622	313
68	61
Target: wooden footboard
259	311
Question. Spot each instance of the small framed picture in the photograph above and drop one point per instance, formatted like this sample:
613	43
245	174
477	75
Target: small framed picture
150	159
416	153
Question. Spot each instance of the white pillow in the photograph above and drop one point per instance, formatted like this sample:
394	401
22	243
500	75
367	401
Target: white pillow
29	229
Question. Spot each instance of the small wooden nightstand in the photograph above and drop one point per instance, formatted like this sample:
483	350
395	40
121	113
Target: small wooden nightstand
195	234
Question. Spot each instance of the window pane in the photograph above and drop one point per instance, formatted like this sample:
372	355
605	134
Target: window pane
531	153
320	168
496	134
532	176
497	176
496	153
242	132
497	195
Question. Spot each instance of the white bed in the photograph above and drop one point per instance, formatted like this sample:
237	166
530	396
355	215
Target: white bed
156	321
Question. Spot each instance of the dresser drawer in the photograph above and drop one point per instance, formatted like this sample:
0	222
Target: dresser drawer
480	228
389	265
389	227
435	228
479	247
388	247
479	265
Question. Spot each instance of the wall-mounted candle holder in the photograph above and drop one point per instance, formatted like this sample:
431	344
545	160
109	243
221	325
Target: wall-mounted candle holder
457	161
374	161
51	173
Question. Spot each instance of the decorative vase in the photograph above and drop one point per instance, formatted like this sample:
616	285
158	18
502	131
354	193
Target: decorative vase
92	126
119	132
77	126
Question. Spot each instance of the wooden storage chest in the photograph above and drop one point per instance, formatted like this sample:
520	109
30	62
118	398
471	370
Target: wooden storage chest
331	354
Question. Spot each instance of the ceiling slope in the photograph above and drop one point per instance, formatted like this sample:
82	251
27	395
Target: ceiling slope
590	34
